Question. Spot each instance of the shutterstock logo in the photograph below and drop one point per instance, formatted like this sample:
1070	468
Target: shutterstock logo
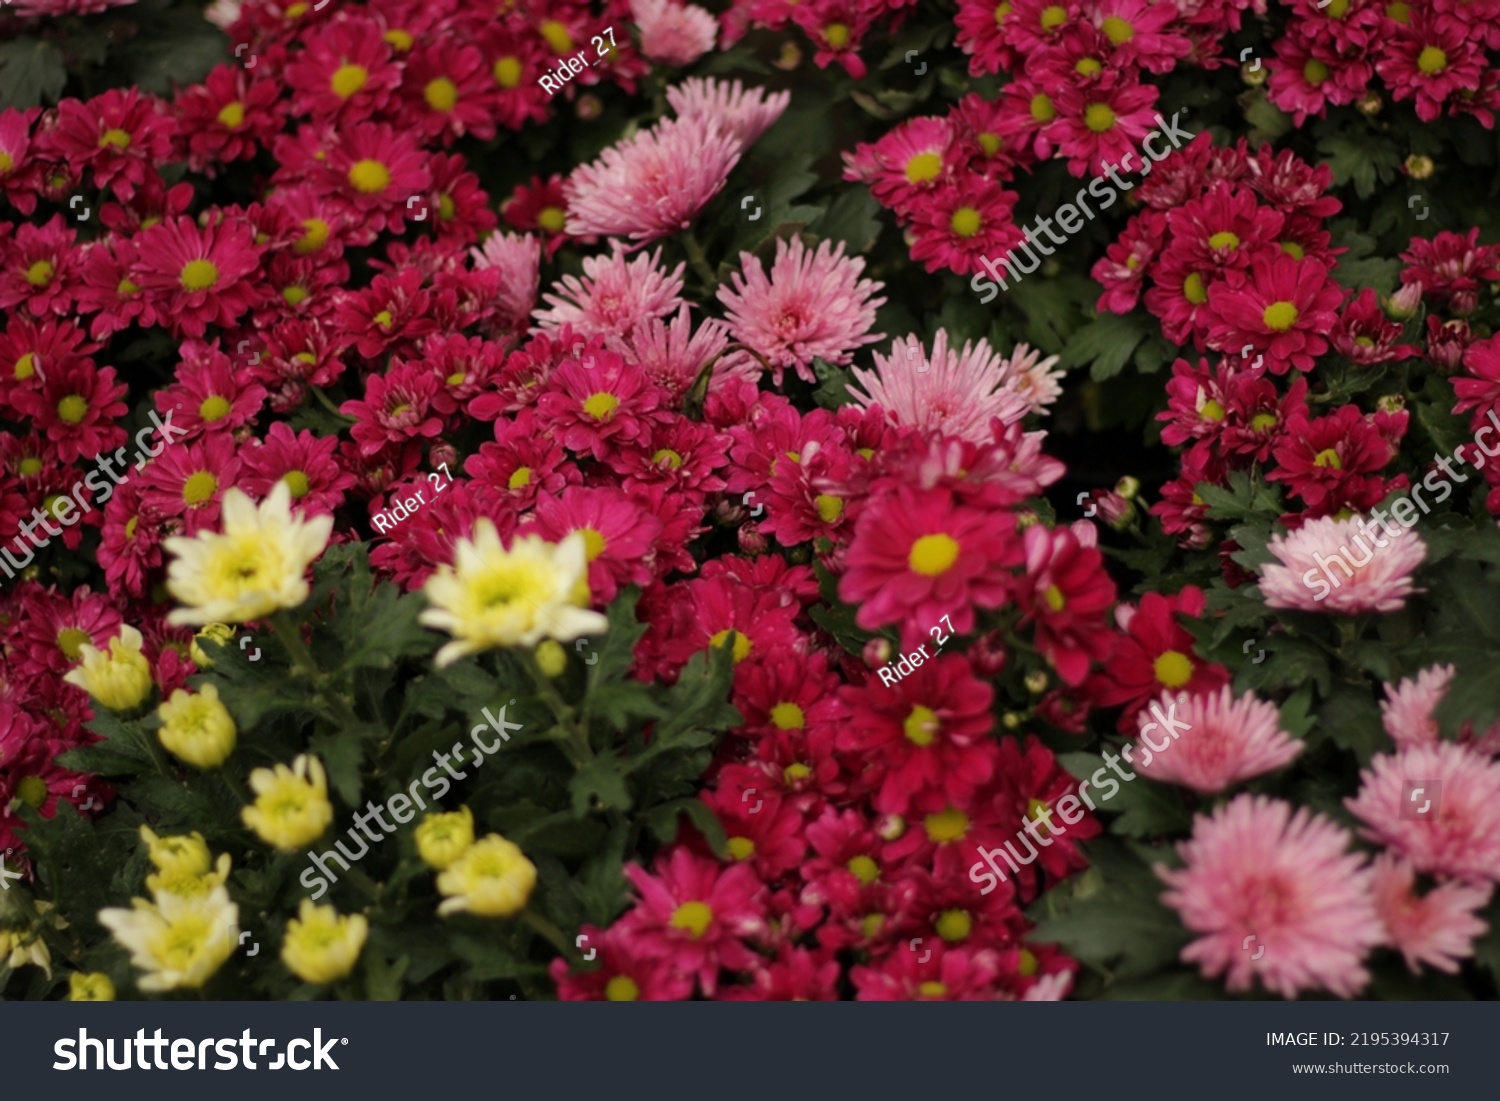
141	1053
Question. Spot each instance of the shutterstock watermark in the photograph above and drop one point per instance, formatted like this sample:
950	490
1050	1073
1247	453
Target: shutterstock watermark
1402	511
1106	189
400	804
1070	806
61	507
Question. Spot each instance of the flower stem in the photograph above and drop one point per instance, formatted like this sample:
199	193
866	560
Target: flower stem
301	658
575	741
698	261
551	932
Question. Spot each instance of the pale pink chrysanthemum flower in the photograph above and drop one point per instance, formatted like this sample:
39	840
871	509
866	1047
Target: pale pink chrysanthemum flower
813	305
518	258
614	295
672	33
1351	576
1215	740
1274	895
955	393
1407	711
223	13
1033	378
1049	988
1438	928
673	353
747	113
652	184
1438	805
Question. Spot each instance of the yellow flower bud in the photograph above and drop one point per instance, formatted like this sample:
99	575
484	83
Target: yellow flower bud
220	633
443	838
182	855
197	728
291	807
321	946
492	879
552	658
93	986
119	679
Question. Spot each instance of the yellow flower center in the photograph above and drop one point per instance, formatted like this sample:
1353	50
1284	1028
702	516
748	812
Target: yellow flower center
795	773
1088	66
621	988
69	639
130	526
933	990
294	295
1314	72
1193	289
1432	60
557	36
1280	316
741	848
741	643
954	925
1399	12
441	94
120	139
214	408
946	826
232	115
1224	239
399	40
348	80
1328	457
1099	117
923	167
593	543
1212	411
1054	599
296	482
836	35
28	466
32	790
40	273
198	275
965	221
199	488
1337	9
1117	30
1042	109
829	508
921	725
1002	11
668	456
865	869
73	409
520	479
1026	963
1261	422
693	916
552	219
933	555
990	143
507	72
25	366
6	162
788	716
369	177
601	406
1173	669
126	288
1053	17
315	234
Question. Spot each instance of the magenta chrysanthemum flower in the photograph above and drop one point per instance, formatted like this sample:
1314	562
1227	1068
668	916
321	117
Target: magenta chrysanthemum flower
1438	805
197	276
653	184
1341	568
1437	928
1220	741
957	393
747	113
1260	876
614	295
813	304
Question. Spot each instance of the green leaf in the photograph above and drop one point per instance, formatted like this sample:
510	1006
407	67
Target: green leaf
31	73
852	218
602	779
1107	343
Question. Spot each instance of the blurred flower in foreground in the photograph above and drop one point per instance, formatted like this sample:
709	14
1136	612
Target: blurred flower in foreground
118	679
321	945
93	986
492	879
1258	876
197	728
291	805
180	943
443	838
1377	578
493	597
255	567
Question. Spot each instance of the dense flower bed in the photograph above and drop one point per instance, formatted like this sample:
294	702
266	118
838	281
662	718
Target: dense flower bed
628	476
